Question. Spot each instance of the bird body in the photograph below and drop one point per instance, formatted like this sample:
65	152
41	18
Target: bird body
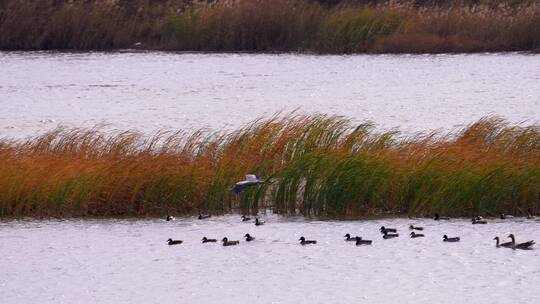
245	218
169	218
505	216
383	229
440	218
450	239
174	242
360	242
303	241
251	180
203	216
415	235
387	235
478	221
415	227
248	237
226	242
348	238
205	240
524	246
505	245
257	222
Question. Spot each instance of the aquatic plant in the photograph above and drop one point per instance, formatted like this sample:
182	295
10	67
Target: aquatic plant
322	26
315	164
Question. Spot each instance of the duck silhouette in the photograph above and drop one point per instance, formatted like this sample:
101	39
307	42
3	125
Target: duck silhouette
450	239
205	240
387	235
203	216
524	246
437	217
360	242
505	245
348	238
174	242
303	241
383	229
226	242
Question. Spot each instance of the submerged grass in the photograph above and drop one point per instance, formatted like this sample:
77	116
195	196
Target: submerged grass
317	165
319	26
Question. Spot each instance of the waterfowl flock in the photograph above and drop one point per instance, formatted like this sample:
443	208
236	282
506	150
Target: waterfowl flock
387	233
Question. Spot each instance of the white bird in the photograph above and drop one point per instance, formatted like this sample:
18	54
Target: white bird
251	180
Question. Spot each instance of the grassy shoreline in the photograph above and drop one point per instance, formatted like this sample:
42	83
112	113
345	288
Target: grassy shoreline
272	26
318	165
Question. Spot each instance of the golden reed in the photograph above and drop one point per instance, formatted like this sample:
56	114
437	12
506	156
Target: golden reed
315	165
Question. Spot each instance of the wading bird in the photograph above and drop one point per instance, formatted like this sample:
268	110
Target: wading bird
251	180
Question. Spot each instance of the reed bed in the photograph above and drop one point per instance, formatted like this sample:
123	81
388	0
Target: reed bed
323	26
315	165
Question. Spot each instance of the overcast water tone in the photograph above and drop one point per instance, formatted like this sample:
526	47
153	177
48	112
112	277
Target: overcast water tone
155	90
128	261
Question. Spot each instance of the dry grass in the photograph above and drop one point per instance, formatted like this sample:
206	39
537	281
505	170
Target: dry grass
412	26
318	165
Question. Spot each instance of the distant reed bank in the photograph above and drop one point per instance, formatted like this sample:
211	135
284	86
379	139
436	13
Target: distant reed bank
314	26
315	165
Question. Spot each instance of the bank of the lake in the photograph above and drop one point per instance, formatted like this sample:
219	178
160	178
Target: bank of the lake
316	26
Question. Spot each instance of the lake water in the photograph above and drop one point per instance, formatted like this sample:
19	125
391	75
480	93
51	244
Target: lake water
128	261
150	91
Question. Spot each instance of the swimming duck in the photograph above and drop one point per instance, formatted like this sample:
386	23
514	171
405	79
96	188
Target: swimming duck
226	242
303	241
524	246
415	235
205	240
359	241
245	218
478	221
169	218
257	222
348	238
440	218
174	242
505	245
505	216
451	240
415	228
203	216
387	235
248	237
383	229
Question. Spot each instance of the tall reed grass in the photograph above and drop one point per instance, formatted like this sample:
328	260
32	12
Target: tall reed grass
316	165
319	26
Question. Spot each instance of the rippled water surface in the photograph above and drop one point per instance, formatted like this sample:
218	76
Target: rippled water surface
128	261
149	91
